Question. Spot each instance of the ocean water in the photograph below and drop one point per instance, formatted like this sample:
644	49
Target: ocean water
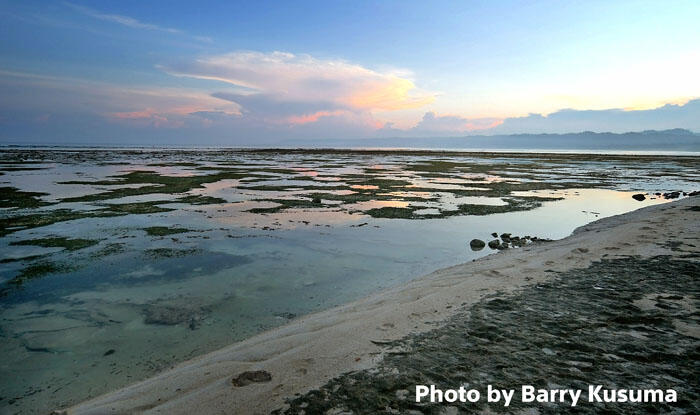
255	240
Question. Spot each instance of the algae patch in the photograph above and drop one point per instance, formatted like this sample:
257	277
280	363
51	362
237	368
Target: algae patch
12	197
58	242
164	230
159	253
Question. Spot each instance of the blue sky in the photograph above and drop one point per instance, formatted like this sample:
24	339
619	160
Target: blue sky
242	73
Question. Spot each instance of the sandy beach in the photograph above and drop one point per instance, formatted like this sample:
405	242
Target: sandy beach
310	351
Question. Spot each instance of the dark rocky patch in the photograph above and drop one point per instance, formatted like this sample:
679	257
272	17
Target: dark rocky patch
561	332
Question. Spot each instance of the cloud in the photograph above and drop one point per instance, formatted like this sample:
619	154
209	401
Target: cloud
274	107
434	125
453	123
609	120
314	117
141	106
120	19
285	77
149	117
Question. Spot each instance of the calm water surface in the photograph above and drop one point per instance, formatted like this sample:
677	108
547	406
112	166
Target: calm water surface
133	303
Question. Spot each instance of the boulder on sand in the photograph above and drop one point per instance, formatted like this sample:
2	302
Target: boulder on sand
477	244
638	197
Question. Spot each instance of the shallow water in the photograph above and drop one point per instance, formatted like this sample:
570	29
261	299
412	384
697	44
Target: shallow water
134	303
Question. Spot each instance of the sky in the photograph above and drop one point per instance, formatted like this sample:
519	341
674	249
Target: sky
253	73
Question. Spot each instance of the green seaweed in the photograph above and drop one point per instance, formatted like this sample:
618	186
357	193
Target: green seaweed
285	204
22	259
36	270
16	223
137	208
154	183
109	249
58	242
391	212
12	224
11	197
201	200
164	230
158	253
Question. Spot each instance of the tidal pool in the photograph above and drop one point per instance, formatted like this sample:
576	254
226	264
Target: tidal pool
117	264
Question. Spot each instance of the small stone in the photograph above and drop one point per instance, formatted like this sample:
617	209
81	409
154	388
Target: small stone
254	376
109	352
495	234
638	197
494	244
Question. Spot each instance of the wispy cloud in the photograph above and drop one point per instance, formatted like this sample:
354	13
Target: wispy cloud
143	105
120	19
132	22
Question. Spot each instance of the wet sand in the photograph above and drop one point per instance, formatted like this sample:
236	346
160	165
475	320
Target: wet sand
313	351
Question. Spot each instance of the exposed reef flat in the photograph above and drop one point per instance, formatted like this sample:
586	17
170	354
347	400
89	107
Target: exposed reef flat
616	302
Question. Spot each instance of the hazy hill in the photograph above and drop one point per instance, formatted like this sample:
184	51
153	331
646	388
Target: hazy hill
666	140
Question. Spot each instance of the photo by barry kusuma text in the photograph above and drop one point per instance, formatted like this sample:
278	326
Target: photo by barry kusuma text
530	394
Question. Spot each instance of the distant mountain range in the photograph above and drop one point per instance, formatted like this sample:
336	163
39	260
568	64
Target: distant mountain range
651	140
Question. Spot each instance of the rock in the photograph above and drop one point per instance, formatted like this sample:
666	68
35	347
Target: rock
505	236
316	200
495	235
695	193
638	197
672	195
477	244
494	244
401	394
248	377
109	352
503	246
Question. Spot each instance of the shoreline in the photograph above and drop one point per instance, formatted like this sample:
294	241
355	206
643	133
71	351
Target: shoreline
622	154
311	350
